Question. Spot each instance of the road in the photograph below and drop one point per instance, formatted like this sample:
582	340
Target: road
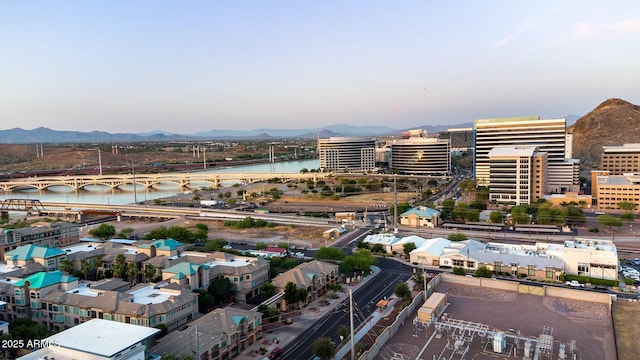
365	299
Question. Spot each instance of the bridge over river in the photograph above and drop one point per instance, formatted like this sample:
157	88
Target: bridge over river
150	180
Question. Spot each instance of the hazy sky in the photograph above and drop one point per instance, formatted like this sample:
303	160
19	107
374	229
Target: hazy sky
189	66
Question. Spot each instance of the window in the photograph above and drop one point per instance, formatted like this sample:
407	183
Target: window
549	272
531	270
458	263
583	269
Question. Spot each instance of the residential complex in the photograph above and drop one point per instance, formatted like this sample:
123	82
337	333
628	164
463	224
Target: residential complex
347	154
47	234
517	174
549	136
313	276
619	160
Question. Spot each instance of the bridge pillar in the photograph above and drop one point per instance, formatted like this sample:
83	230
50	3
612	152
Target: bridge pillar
4	215
80	217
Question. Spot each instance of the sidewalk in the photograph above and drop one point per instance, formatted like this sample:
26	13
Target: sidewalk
283	334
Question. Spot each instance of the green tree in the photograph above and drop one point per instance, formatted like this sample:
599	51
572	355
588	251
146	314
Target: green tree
343	332
610	222
104	231
323	349
149	272
403	292
457	236
627	205
132	272
126	232
519	215
268	290
290	293
85	268
98	263
330	253
458	270
206	301
484	272
359	262
302	294
260	245
66	265
496	217
222	289
408	248
119	266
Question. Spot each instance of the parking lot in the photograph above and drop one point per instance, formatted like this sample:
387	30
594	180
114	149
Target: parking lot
630	269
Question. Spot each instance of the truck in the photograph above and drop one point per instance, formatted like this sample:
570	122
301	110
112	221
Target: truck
574	283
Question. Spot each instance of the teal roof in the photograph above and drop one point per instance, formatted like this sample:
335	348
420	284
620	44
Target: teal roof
164	244
29	252
184	268
422	211
237	319
44	279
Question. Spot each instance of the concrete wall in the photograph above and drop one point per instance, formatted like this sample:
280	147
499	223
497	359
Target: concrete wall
579	295
482	282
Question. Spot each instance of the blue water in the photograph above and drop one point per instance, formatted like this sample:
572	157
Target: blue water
105	195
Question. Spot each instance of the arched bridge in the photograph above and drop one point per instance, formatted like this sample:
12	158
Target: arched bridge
151	180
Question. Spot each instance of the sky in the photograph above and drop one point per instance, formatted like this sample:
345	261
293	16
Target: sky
190	66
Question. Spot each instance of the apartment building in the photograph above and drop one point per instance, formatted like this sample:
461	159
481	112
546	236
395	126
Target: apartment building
347	154
517	174
49	258
55	234
421	156
61	301
619	160
548	135
222	334
609	191
313	276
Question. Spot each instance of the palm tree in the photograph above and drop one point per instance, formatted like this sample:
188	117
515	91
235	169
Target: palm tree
132	272
66	265
119	266
149	272
98	263
86	268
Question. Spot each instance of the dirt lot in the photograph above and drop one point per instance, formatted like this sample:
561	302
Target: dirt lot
625	317
587	323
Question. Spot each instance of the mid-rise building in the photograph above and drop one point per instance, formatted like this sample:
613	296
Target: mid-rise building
61	301
609	191
549	136
314	276
56	234
517	175
421	156
347	154
49	258
619	160
461	139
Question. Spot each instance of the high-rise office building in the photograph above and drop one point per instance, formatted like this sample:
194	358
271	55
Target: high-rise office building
421	156
347	154
549	136
516	174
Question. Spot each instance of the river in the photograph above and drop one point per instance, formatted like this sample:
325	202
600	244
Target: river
105	195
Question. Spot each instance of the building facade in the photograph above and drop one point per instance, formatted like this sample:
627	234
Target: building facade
608	191
347	154
517	175
56	234
548	136
619	160
421	156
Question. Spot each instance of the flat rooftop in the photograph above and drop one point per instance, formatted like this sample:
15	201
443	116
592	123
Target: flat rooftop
100	337
149	295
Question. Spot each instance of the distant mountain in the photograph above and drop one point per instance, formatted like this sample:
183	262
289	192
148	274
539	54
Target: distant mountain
336	130
614	122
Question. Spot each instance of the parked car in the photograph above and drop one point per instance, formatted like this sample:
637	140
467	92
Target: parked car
574	283
275	353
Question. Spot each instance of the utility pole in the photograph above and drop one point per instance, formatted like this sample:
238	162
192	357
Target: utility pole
353	342
395	204
100	161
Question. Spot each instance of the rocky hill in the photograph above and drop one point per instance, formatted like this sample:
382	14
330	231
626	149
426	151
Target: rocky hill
614	122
